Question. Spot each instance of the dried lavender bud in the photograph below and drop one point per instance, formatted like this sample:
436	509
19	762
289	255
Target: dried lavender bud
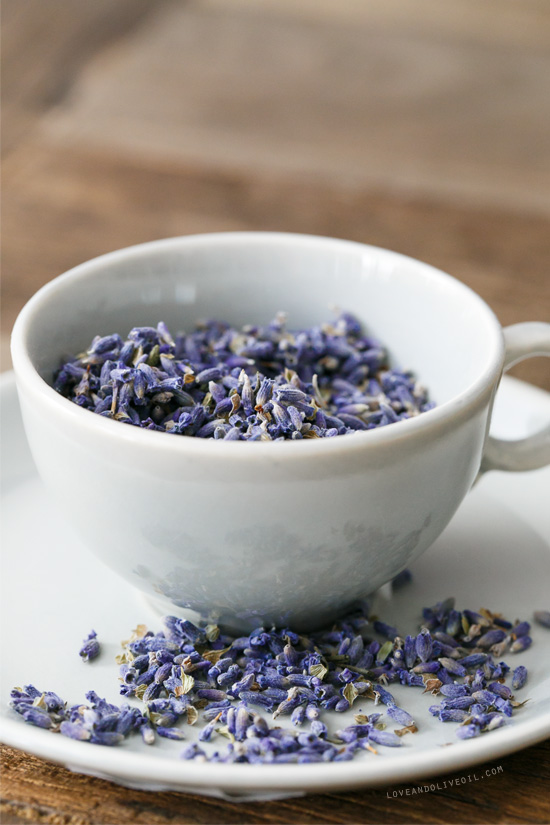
500	670
108	738
445	640
36	716
427	667
454	691
452	715
505	706
383	737
519	677
75	730
501	648
521	644
501	690
403	578
206	733
452	666
298	715
424	645
473	660
384	695
445	677
458	702
163	672
385	630
410	651
521	629
468	731
454	622
400	716
497	721
542	617
90	647
484	697
441	649
355	650
312	713
492	637
193	751
252	698
170	733
476	618
147	734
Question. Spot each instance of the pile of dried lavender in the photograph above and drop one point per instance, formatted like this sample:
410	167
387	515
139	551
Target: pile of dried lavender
259	383
184	670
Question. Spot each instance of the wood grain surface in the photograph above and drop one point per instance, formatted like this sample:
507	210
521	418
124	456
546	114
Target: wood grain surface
419	127
510	790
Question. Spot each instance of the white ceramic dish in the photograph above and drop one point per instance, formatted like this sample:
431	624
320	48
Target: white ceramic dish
495	553
287	532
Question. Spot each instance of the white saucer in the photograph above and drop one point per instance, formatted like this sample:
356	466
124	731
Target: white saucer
495	554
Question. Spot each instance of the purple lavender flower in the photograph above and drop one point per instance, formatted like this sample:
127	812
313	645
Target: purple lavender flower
193	751
501	690
427	667
519	677
399	715
243	720
319	729
75	730
484	697
424	645
386	738
521	644
410	651
468	731
384	695
542	617
504	706
385	630
298	715
520	629
453	715
454	691
458	702
90	647
492	637
452	666
107	738
473	660
37	717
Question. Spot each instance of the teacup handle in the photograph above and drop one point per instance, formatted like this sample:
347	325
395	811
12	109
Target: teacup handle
522	341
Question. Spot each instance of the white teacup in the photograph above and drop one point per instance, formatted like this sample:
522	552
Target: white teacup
290	532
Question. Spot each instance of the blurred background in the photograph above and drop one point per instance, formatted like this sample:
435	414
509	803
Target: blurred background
419	126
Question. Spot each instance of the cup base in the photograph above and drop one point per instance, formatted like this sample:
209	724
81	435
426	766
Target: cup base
159	607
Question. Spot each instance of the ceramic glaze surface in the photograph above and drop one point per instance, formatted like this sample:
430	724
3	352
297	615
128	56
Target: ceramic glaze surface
290	532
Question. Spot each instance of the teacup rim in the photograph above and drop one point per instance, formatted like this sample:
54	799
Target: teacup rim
454	409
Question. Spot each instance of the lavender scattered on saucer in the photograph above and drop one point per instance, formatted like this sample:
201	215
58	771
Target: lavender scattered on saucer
185	673
257	383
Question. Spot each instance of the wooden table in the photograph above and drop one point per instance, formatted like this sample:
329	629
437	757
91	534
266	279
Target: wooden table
419	127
